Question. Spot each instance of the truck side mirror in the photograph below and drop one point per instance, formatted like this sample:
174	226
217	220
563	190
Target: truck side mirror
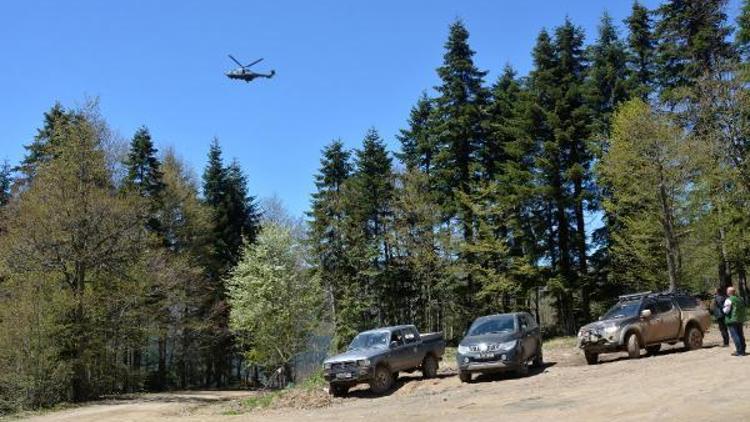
394	344
646	313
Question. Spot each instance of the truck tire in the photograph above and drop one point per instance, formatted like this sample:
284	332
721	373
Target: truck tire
464	376
522	370
634	346
653	349
538	361
693	338
382	380
338	390
591	358
429	367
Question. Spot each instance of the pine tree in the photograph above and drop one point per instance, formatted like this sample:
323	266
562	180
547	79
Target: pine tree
145	175
329	240
458	112
235	219
417	142
641	51
692	42
47	140
370	198
607	75
6	182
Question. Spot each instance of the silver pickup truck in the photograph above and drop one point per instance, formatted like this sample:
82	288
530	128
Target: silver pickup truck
645	321
376	357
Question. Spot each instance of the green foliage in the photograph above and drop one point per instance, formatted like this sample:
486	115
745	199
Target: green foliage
648	168
275	303
641	51
692	42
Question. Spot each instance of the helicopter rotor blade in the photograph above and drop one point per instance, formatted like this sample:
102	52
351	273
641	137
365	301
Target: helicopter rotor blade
235	60
255	62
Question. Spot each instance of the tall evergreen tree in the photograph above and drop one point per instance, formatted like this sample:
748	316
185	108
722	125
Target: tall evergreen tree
235	219
417	142
329	240
641	51
607	78
145	176
692	41
370	198
458	112
47	140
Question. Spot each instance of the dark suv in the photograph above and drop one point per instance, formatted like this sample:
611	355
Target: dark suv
645	320
500	342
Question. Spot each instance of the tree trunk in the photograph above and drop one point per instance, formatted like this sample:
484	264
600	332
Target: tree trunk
670	237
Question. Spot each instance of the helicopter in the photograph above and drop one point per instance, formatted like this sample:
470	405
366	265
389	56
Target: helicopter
245	74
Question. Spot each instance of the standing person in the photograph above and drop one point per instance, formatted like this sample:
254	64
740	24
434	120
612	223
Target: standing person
734	309
718	313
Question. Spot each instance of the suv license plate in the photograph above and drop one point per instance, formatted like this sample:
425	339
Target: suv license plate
344	375
486	355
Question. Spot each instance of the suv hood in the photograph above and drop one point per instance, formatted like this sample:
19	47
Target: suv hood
488	339
354	355
599	325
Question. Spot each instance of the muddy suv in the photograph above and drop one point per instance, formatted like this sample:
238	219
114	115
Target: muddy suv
645	321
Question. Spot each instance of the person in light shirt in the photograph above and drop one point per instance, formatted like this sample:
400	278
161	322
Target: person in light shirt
736	315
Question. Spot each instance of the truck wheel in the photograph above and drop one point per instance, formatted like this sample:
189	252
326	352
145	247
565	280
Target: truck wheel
464	376
634	346
338	390
652	350
538	361
382	380
693	338
522	370
429	367
591	358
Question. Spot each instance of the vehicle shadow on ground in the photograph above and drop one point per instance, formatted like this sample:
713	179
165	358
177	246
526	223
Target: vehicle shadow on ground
402	380
671	350
506	375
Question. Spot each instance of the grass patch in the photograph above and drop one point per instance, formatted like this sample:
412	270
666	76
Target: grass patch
261	401
309	393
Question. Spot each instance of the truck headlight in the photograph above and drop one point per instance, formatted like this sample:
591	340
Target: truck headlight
610	329
505	345
363	362
463	349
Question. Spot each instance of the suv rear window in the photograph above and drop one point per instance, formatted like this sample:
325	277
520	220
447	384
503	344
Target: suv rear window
687	302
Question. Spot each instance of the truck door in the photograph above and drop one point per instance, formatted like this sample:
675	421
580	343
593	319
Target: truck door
527	327
415	351
670	320
399	356
650	327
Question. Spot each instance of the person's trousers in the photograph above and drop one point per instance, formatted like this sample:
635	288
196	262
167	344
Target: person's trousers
723	331
738	336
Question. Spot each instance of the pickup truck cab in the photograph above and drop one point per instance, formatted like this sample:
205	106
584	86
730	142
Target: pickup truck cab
376	357
645	320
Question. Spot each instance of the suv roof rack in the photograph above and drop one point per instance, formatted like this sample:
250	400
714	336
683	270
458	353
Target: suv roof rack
635	295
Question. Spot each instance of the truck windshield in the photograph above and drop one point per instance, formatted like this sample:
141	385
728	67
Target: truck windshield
369	340
499	324
623	310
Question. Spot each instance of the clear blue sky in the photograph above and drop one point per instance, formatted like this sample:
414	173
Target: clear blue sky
342	67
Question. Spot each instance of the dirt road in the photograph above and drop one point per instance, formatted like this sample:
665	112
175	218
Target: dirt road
706	384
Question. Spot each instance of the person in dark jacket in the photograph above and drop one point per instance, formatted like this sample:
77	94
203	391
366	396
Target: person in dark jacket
718	313
736	315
